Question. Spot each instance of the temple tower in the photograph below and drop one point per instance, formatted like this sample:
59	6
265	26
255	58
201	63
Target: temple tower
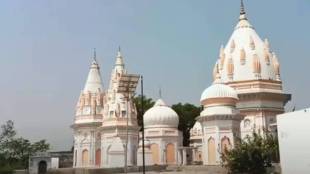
117	109
88	118
248	64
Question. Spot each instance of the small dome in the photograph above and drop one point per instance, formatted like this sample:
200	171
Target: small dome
218	91
160	115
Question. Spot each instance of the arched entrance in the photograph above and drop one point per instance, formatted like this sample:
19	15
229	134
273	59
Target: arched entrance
98	157
225	144
211	151
170	154
155	153
85	158
42	167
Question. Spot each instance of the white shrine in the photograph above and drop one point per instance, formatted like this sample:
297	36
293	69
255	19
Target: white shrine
88	119
196	142
100	125
220	122
246	94
248	64
162	135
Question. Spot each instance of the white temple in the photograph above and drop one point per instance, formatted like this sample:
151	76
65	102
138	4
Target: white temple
162	134
88	120
100	132
246	96
220	121
247	87
248	64
117	109
196	142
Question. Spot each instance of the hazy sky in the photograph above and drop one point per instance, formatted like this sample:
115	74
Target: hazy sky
45	49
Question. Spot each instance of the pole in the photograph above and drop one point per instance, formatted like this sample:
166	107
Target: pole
127	114
142	112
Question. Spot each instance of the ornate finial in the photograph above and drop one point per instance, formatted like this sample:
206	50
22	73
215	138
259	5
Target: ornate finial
94	55
242	11
119	52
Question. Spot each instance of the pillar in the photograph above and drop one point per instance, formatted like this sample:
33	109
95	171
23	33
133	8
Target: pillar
184	157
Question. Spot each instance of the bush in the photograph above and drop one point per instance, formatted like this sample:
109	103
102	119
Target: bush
252	155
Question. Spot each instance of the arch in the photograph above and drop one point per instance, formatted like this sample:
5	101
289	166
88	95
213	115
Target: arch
211	151
98	157
170	153
155	153
225	144
199	156
247	123
85	158
42	167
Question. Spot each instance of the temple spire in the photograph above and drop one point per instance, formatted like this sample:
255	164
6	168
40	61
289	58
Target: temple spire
94	82
95	55
242	11
119	54
119	58
159	92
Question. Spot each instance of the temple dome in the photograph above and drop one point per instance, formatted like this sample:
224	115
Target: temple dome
218	91
246	56
160	115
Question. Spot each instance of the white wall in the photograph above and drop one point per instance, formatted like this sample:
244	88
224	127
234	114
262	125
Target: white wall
294	141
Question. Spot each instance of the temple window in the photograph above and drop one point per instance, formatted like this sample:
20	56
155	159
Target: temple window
123	113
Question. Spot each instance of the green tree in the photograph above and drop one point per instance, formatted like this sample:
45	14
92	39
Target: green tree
40	146
6	135
251	155
187	118
7	131
14	152
147	104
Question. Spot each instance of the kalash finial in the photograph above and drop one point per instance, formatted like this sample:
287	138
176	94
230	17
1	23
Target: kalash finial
94	55
159	92
119	52
242	11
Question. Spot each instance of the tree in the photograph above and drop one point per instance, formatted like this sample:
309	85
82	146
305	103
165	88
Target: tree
147	104
187	114
7	131
40	146
251	155
14	152
6	135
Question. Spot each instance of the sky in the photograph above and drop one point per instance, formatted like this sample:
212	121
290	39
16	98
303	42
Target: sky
46	48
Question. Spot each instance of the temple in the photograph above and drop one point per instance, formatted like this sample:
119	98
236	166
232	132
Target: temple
102	120
246	94
245	97
248	64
